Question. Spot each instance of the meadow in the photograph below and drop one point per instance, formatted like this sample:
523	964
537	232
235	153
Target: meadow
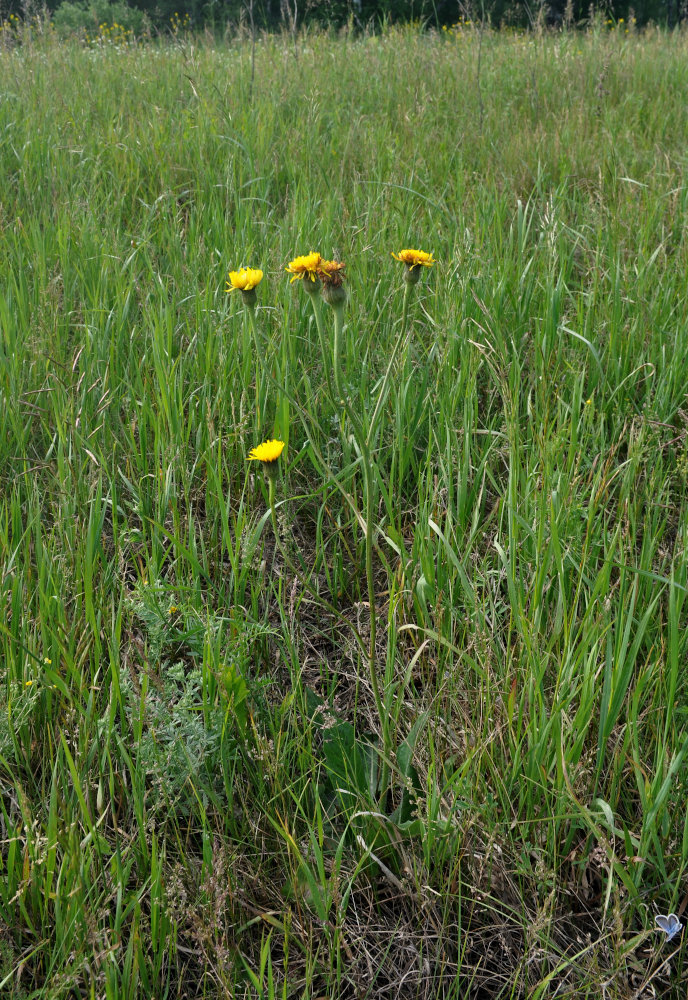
409	718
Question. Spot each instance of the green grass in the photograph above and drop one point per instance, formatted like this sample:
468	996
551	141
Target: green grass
199	796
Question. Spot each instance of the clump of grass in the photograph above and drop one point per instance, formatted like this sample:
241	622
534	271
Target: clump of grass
193	798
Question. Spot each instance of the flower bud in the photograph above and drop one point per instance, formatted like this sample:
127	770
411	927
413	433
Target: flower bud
334	295
311	286
411	275
332	276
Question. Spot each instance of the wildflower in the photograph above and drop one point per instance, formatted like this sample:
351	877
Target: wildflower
27	684
414	260
173	609
304	267
268	452
245	280
47	660
331	273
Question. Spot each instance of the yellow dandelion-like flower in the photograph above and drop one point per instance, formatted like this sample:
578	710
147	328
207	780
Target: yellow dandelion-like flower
331	272
245	279
304	267
414	258
267	452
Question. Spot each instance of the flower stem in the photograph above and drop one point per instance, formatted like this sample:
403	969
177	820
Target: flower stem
250	310
372	637
369	491
338	327
317	310
273	515
382	395
342	399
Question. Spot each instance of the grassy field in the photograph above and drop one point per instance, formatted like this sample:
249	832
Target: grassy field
419	728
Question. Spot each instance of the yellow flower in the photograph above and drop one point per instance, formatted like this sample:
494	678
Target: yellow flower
267	452
331	272
244	279
413	258
304	267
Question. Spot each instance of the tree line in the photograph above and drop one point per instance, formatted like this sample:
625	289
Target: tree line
273	14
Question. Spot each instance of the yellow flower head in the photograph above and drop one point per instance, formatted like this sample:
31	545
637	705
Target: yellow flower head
304	267
413	258
331	272
244	279
267	452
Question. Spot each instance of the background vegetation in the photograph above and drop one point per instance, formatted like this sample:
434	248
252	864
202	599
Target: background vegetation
217	16
190	755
